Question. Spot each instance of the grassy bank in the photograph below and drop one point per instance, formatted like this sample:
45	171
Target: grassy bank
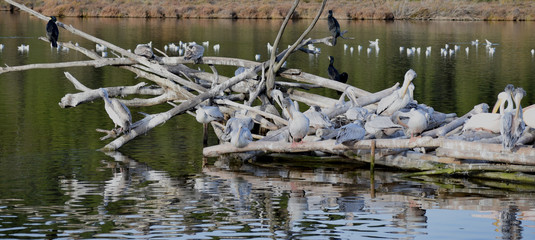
274	9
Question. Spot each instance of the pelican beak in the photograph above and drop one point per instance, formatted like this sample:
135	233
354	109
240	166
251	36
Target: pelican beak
497	105
517	114
405	88
239	130
409	76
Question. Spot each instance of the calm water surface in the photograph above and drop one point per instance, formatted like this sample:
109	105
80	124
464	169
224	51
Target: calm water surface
53	184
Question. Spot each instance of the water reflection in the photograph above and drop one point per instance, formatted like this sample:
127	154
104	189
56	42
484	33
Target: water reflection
243	200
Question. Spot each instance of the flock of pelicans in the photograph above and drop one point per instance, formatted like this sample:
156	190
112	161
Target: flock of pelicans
397	115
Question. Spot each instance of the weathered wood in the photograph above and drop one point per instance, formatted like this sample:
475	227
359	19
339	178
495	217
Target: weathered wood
165	116
311	98
242	106
328	146
73	100
298	75
164	83
442	131
334	111
211	60
486	151
87	63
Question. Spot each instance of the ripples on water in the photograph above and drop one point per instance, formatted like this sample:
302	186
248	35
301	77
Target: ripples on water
254	201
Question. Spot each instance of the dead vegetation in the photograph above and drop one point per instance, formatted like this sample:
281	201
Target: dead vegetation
277	9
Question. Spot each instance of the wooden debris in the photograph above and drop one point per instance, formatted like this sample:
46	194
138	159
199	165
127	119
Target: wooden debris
441	148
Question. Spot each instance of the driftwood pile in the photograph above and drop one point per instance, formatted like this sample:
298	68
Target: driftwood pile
437	147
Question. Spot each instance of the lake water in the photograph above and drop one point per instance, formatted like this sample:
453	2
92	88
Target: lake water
53	184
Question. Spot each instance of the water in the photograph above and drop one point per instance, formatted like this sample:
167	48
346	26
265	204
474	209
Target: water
53	184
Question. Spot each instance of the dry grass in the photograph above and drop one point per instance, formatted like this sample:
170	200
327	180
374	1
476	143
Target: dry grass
276	9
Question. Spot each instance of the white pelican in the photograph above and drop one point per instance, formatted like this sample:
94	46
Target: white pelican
117	111
532	52
417	123
1	47
194	52
488	43
476	42
233	124
381	125
357	113
491	121
317	119
206	43
398	99
241	137
529	115
144	50
257	57
512	125
298	123
206	114
350	133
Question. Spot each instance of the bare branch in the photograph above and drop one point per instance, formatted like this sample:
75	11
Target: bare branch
270	81
87	63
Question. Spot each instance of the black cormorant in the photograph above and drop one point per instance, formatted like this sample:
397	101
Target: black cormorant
52	31
333	73
334	27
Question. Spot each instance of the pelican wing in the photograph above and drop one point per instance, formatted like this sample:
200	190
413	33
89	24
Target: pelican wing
484	121
529	115
350	133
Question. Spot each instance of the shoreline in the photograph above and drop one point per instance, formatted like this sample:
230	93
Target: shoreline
276	9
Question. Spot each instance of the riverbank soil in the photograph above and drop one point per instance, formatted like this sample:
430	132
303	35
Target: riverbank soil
467	10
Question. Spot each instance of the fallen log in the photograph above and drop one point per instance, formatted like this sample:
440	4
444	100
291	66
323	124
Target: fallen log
328	146
88	63
486	151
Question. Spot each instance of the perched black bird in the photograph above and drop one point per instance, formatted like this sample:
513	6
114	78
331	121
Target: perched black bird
333	73
343	77
334	27
52	31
